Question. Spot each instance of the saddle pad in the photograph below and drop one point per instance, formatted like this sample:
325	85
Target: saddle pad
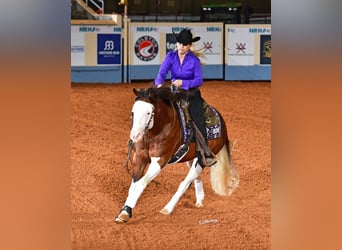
212	121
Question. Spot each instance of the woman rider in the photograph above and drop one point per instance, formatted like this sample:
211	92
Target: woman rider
186	74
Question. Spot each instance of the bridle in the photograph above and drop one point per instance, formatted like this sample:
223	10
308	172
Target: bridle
150	120
147	127
130	147
131	143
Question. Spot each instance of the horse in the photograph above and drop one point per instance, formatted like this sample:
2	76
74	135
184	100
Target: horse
155	136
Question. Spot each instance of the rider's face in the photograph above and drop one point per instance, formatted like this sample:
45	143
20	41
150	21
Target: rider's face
183	49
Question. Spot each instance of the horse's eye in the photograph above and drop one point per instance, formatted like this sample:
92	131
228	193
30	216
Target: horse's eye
148	113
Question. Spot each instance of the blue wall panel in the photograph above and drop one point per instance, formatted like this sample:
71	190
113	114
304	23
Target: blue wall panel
96	74
212	71
150	72
147	72
248	73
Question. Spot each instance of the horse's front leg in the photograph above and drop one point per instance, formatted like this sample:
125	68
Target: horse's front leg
136	189
193	174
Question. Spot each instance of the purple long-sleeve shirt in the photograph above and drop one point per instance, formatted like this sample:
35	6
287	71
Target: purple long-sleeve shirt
190	71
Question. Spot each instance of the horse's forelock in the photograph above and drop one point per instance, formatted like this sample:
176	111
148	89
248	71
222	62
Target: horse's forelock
164	94
140	93
151	93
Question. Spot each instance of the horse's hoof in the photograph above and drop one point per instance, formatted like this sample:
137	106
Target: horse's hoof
199	204
164	211
232	185
122	217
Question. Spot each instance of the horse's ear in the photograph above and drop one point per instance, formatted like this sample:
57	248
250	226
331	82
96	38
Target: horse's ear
151	92
135	91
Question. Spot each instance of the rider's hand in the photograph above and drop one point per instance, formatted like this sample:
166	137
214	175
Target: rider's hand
178	83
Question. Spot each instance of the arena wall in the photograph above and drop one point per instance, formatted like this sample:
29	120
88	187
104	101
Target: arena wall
232	52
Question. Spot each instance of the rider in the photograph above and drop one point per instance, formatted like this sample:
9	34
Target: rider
186	73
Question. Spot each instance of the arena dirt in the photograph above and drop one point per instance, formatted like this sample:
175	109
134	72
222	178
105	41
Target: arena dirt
99	181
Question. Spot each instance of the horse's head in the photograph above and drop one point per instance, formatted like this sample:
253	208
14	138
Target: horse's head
145	106
142	114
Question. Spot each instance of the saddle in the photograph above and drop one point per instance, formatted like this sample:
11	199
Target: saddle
213	128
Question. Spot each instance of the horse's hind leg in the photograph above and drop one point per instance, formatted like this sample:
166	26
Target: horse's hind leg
199	191
193	174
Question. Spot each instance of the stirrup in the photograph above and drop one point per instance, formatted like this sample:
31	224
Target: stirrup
209	161
181	152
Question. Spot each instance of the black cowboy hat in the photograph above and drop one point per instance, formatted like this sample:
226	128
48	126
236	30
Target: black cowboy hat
185	37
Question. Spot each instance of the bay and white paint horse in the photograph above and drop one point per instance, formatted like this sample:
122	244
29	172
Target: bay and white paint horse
156	134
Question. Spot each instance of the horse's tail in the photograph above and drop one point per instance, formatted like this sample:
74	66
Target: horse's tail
223	175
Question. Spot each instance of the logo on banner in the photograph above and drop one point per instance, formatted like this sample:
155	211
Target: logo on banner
171	42
77	49
265	49
207	47
109	45
108	49
240	47
146	48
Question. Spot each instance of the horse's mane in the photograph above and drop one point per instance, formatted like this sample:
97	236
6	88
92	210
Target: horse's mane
164	94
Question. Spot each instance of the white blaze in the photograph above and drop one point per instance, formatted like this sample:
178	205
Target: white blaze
142	113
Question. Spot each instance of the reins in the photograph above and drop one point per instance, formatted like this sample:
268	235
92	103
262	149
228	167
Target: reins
130	147
130	141
150	120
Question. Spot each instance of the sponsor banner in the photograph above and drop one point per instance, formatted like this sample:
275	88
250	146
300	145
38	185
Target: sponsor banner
95	45
248	45
240	49
265	49
77	49
108	49
152	42
146	49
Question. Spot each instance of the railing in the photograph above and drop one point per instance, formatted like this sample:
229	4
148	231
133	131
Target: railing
164	18
101	8
261	18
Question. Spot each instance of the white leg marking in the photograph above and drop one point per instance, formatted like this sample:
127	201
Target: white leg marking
199	192
138	187
192	175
